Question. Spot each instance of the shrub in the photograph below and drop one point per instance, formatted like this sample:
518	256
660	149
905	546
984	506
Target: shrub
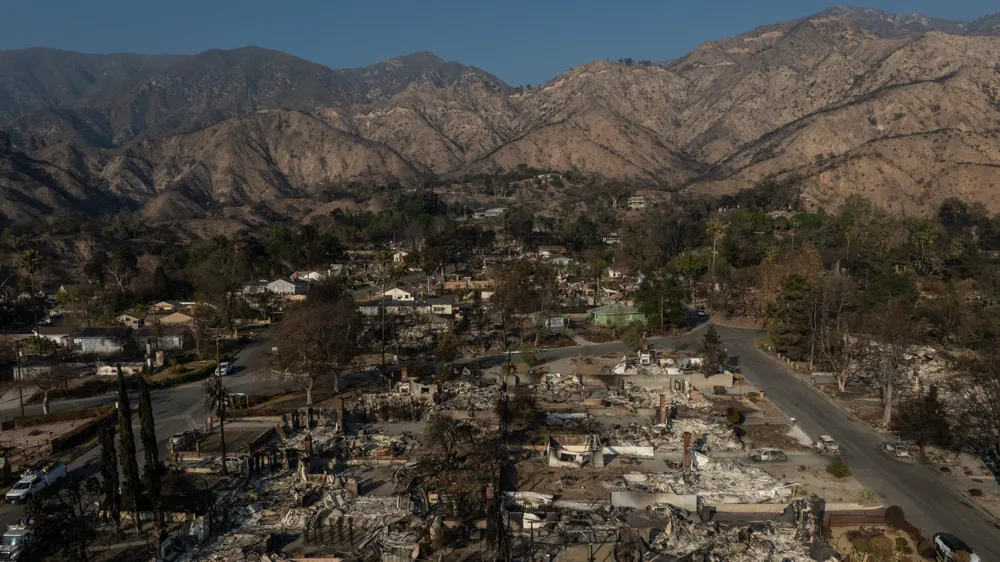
945	469
753	396
926	549
838	468
902	545
881	548
975	492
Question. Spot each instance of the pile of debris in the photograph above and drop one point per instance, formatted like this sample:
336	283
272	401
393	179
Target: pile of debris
323	438
725	481
375	446
718	482
464	396
711	436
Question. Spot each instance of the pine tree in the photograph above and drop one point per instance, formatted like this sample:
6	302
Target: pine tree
109	475
715	354
132	486
926	418
152	469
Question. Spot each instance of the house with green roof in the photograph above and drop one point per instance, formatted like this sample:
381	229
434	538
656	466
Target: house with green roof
615	315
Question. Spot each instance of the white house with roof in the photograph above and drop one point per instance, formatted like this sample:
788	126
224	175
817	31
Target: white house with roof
287	287
398	294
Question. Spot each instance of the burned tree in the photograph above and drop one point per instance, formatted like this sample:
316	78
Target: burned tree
67	516
215	399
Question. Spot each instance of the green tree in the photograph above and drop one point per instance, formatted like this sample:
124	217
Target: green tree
924	416
632	336
448	348
715	354
112	496
790	331
152	469
161	285
662	298
131	486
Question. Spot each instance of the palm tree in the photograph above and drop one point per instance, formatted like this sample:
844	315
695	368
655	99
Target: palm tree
29	261
215	400
714	230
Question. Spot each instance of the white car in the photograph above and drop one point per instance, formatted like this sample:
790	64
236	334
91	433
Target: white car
947	546
225	368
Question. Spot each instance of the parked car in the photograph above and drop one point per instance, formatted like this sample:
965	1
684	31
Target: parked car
701	312
768	455
947	546
897	450
183	439
827	445
35	480
224	369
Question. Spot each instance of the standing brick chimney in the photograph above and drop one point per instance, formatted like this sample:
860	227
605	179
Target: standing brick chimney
686	459
661	414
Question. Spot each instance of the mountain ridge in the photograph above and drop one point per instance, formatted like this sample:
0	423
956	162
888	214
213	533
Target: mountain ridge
836	102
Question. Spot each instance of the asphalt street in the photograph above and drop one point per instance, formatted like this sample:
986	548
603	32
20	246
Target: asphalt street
928	502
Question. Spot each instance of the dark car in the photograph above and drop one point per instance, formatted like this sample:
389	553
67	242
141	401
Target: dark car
947	546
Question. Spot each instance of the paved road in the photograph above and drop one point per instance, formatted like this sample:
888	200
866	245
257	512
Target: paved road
176	409
928	502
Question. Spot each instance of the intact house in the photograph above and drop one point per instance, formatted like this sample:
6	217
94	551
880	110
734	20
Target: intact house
398	294
166	307
444	306
165	338
549	251
554	322
489	214
637	202
287	287
177	318
615	315
130	321
101	340
57	335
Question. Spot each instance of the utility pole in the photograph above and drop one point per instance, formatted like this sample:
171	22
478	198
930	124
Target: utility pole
661	313
20	380
218	361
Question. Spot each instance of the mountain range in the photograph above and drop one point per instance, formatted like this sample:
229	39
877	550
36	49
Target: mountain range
903	109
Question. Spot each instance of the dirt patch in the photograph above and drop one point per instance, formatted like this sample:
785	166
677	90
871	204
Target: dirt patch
596	334
845	539
816	480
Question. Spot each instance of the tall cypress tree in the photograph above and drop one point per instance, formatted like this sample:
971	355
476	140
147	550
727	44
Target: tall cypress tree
132	486
109	475
151	471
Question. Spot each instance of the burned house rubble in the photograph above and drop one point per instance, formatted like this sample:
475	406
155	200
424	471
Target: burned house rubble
470	467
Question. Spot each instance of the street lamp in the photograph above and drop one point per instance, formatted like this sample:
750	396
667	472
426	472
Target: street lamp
20	379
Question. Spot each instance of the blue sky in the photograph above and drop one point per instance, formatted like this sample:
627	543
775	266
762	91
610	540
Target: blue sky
521	41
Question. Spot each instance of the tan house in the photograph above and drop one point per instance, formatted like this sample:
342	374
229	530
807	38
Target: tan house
178	318
130	321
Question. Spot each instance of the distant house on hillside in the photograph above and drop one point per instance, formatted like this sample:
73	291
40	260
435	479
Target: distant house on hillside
398	294
287	287
130	320
637	202
101	340
164	338
57	335
549	251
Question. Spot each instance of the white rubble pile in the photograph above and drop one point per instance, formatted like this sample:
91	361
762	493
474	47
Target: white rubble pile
720	437
725	481
759	543
323	439
720	481
464	396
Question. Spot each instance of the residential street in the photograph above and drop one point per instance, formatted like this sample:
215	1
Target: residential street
928	502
